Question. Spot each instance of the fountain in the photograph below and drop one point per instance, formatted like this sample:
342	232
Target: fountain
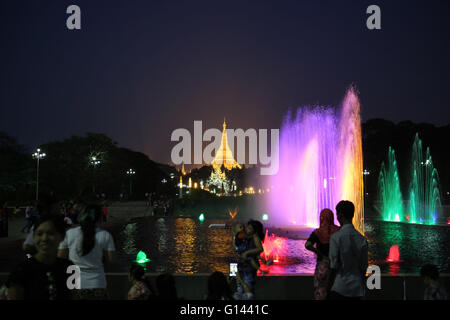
320	164
275	248
424	195
394	254
424	205
390	195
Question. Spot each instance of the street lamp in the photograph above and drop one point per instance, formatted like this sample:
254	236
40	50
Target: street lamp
131	173
38	155
94	161
365	173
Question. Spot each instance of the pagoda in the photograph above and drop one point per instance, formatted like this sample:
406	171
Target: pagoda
224	156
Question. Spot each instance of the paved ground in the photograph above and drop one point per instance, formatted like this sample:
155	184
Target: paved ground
15	226
117	213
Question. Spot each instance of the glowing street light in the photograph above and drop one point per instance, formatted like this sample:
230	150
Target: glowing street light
365	173
38	155
131	173
95	162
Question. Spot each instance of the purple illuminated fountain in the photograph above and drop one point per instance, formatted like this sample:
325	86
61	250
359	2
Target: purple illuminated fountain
320	164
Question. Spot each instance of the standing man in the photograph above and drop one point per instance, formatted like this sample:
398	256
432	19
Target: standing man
28	223
348	257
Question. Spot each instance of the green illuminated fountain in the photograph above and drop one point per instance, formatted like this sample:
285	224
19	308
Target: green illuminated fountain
424	194
424	205
389	192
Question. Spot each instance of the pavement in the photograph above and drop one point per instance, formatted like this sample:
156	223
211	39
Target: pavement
118	212
15	225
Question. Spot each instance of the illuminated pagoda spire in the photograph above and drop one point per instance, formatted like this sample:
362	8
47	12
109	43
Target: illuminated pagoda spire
183	172
224	156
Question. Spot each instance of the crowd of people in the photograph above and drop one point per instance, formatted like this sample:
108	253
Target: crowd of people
67	234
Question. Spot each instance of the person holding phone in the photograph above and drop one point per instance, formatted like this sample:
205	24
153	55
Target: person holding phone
219	286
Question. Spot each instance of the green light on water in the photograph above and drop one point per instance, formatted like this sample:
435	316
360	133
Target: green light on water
265	217
141	257
201	217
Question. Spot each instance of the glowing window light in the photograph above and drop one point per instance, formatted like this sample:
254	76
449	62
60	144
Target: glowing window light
265	217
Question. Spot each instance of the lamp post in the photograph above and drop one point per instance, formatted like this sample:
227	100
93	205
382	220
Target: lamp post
38	155
131	173
94	162
365	173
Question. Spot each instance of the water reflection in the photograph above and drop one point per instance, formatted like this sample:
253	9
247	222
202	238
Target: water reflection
219	246
185	245
184	257
129	239
161	235
418	245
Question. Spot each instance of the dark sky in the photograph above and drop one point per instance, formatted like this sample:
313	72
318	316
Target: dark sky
139	69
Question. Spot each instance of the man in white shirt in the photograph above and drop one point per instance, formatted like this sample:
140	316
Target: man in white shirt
348	257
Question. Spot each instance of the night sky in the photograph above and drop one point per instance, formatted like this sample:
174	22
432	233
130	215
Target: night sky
137	70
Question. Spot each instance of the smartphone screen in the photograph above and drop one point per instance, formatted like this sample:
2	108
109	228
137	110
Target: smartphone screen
233	269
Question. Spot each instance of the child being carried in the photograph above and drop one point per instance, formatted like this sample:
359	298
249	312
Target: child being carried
240	246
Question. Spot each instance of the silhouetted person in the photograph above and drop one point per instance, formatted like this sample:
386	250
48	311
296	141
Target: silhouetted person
218	287
165	286
434	289
141	288
252	247
319	243
348	257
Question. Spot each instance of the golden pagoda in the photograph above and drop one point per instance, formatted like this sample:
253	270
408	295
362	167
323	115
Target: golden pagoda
224	156
183	172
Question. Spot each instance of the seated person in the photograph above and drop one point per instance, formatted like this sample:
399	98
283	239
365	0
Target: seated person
434	290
